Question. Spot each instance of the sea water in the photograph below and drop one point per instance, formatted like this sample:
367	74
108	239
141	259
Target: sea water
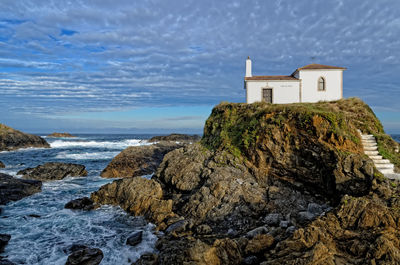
42	230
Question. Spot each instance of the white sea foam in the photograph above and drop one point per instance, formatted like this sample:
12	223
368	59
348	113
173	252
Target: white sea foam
87	156
101	144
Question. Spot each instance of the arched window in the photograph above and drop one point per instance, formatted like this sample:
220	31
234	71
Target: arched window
321	84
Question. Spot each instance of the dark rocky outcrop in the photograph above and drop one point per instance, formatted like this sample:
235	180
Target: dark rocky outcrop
11	139
53	171
134	239
175	137
139	196
4	238
84	203
2	165
271	184
63	135
83	255
138	160
13	189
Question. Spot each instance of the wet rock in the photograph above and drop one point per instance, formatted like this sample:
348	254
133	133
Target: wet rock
315	208
273	219
175	137
2	165
290	230
134	239
11	139
84	203
284	224
13	189
73	248
4	238
257	231
53	171
85	256
147	259
64	135
305	217
138	160
34	215
179	227
251	260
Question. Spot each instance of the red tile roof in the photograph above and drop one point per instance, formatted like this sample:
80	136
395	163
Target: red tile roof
272	77
314	66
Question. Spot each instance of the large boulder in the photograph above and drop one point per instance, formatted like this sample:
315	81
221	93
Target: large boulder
13	189
83	255
63	135
11	139
84	203
4	238
175	137
138	160
134	239
2	165
53	171
139	196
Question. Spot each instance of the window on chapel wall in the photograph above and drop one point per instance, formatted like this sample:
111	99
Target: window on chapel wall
321	84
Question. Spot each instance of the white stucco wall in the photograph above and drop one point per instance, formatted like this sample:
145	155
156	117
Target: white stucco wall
283	92
309	87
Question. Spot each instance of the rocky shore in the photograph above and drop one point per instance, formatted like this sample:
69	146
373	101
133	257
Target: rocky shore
271	184
53	171
138	160
11	139
13	189
59	135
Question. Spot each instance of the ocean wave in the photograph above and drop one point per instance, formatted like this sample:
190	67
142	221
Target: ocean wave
87	156
98	144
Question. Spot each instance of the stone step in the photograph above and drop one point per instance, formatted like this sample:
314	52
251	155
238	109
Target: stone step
384	166
387	171
381	161
370	144
368	137
371	153
392	176
369	140
377	157
374	148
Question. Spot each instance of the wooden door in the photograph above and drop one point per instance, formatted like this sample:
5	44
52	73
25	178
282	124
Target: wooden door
267	95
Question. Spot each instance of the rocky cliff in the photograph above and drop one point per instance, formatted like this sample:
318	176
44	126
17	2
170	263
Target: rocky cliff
11	139
271	184
63	135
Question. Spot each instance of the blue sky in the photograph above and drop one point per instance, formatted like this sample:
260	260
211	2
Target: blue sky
160	66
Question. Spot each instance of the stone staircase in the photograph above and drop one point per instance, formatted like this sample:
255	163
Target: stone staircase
371	149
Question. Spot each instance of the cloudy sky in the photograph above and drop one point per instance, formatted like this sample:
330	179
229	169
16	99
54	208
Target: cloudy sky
160	66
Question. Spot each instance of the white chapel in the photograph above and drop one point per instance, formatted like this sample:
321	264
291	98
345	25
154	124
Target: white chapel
310	83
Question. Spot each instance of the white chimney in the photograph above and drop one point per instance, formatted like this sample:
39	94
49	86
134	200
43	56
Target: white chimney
248	67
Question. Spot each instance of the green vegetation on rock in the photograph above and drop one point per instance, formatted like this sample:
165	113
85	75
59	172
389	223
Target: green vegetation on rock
237	127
